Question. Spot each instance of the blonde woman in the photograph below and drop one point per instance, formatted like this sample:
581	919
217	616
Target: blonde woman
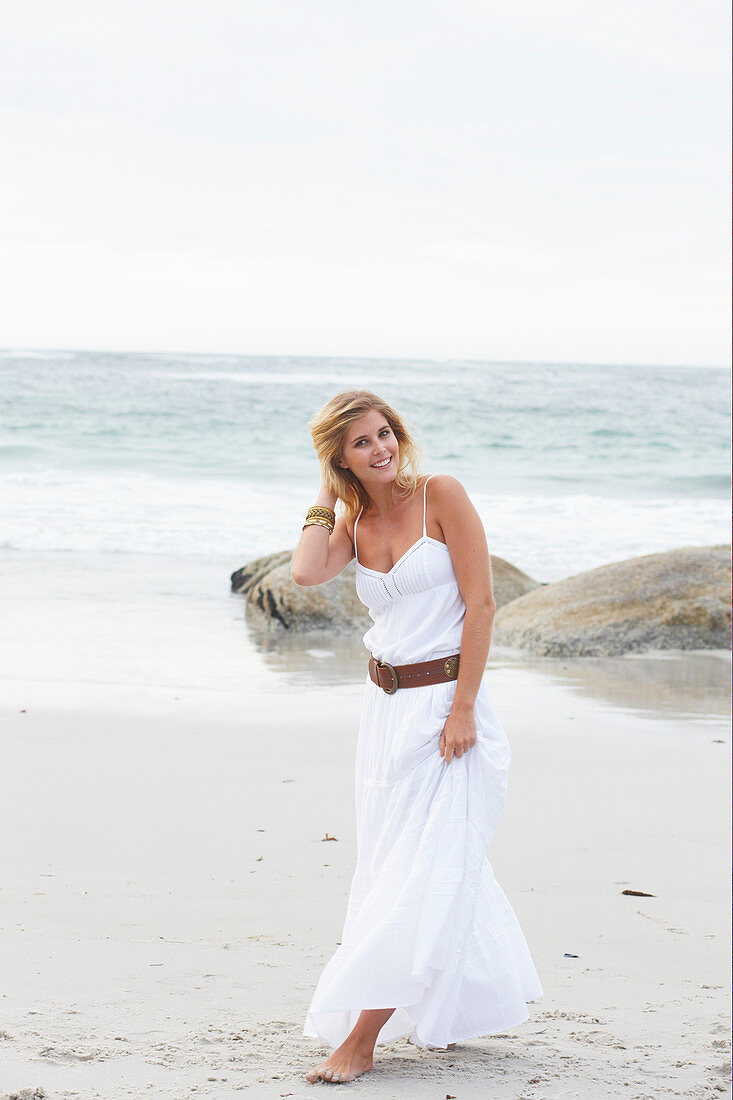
431	948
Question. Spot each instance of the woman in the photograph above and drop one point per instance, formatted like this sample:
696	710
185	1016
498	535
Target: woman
431	947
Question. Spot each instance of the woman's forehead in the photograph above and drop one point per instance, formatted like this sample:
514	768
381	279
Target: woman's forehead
371	421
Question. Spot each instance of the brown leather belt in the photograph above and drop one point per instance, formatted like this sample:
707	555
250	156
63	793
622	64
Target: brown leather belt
390	677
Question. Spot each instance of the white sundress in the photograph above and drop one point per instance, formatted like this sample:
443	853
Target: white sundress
428	930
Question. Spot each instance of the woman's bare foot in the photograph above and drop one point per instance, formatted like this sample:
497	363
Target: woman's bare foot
345	1064
354	1056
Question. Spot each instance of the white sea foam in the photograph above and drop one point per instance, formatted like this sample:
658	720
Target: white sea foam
548	537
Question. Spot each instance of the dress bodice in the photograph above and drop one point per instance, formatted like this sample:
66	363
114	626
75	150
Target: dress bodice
416	607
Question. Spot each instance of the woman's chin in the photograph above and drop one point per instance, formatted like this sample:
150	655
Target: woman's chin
382	479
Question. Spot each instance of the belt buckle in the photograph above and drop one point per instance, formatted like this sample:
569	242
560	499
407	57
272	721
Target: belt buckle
394	685
451	666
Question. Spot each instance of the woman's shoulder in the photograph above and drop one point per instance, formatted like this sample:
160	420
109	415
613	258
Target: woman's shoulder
446	496
441	484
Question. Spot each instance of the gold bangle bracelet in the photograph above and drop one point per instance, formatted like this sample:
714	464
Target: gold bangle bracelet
318	523
322	512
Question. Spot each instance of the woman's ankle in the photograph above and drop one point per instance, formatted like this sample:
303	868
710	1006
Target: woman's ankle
362	1043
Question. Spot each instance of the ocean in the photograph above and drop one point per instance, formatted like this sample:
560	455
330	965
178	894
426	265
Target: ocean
569	466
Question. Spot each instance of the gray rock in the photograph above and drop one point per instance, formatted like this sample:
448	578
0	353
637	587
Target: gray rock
508	582
675	600
272	595
248	575
333	605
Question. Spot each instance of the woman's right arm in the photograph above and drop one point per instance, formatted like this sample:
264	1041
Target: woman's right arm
319	556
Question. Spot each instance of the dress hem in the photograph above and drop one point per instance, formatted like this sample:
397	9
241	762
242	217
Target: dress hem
413	1035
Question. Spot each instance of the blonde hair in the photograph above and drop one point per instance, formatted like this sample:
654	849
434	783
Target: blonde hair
328	430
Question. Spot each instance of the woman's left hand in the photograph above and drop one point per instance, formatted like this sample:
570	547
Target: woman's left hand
459	733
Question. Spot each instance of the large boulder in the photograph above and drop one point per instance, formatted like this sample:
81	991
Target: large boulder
271	592
675	600
244	579
333	604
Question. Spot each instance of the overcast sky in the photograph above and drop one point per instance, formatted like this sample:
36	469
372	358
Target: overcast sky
501	179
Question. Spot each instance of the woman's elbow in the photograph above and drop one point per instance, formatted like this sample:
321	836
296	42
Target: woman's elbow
299	577
484	605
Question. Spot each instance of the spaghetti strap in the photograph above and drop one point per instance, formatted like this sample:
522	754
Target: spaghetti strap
356	552
425	509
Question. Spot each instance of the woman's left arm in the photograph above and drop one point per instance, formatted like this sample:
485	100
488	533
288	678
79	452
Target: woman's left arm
465	538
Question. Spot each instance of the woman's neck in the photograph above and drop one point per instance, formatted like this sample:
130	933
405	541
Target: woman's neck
383	503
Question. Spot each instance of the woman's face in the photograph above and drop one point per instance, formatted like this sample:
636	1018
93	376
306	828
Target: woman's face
371	450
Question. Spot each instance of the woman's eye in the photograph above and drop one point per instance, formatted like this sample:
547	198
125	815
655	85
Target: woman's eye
383	431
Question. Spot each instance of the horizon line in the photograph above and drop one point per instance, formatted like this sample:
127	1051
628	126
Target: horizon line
364	358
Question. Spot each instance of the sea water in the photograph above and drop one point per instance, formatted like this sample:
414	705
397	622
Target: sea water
570	466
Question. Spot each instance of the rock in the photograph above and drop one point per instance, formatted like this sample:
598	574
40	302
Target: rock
249	574
675	600
508	582
271	593
333	605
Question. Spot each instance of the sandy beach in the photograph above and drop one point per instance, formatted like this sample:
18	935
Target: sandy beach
170	895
